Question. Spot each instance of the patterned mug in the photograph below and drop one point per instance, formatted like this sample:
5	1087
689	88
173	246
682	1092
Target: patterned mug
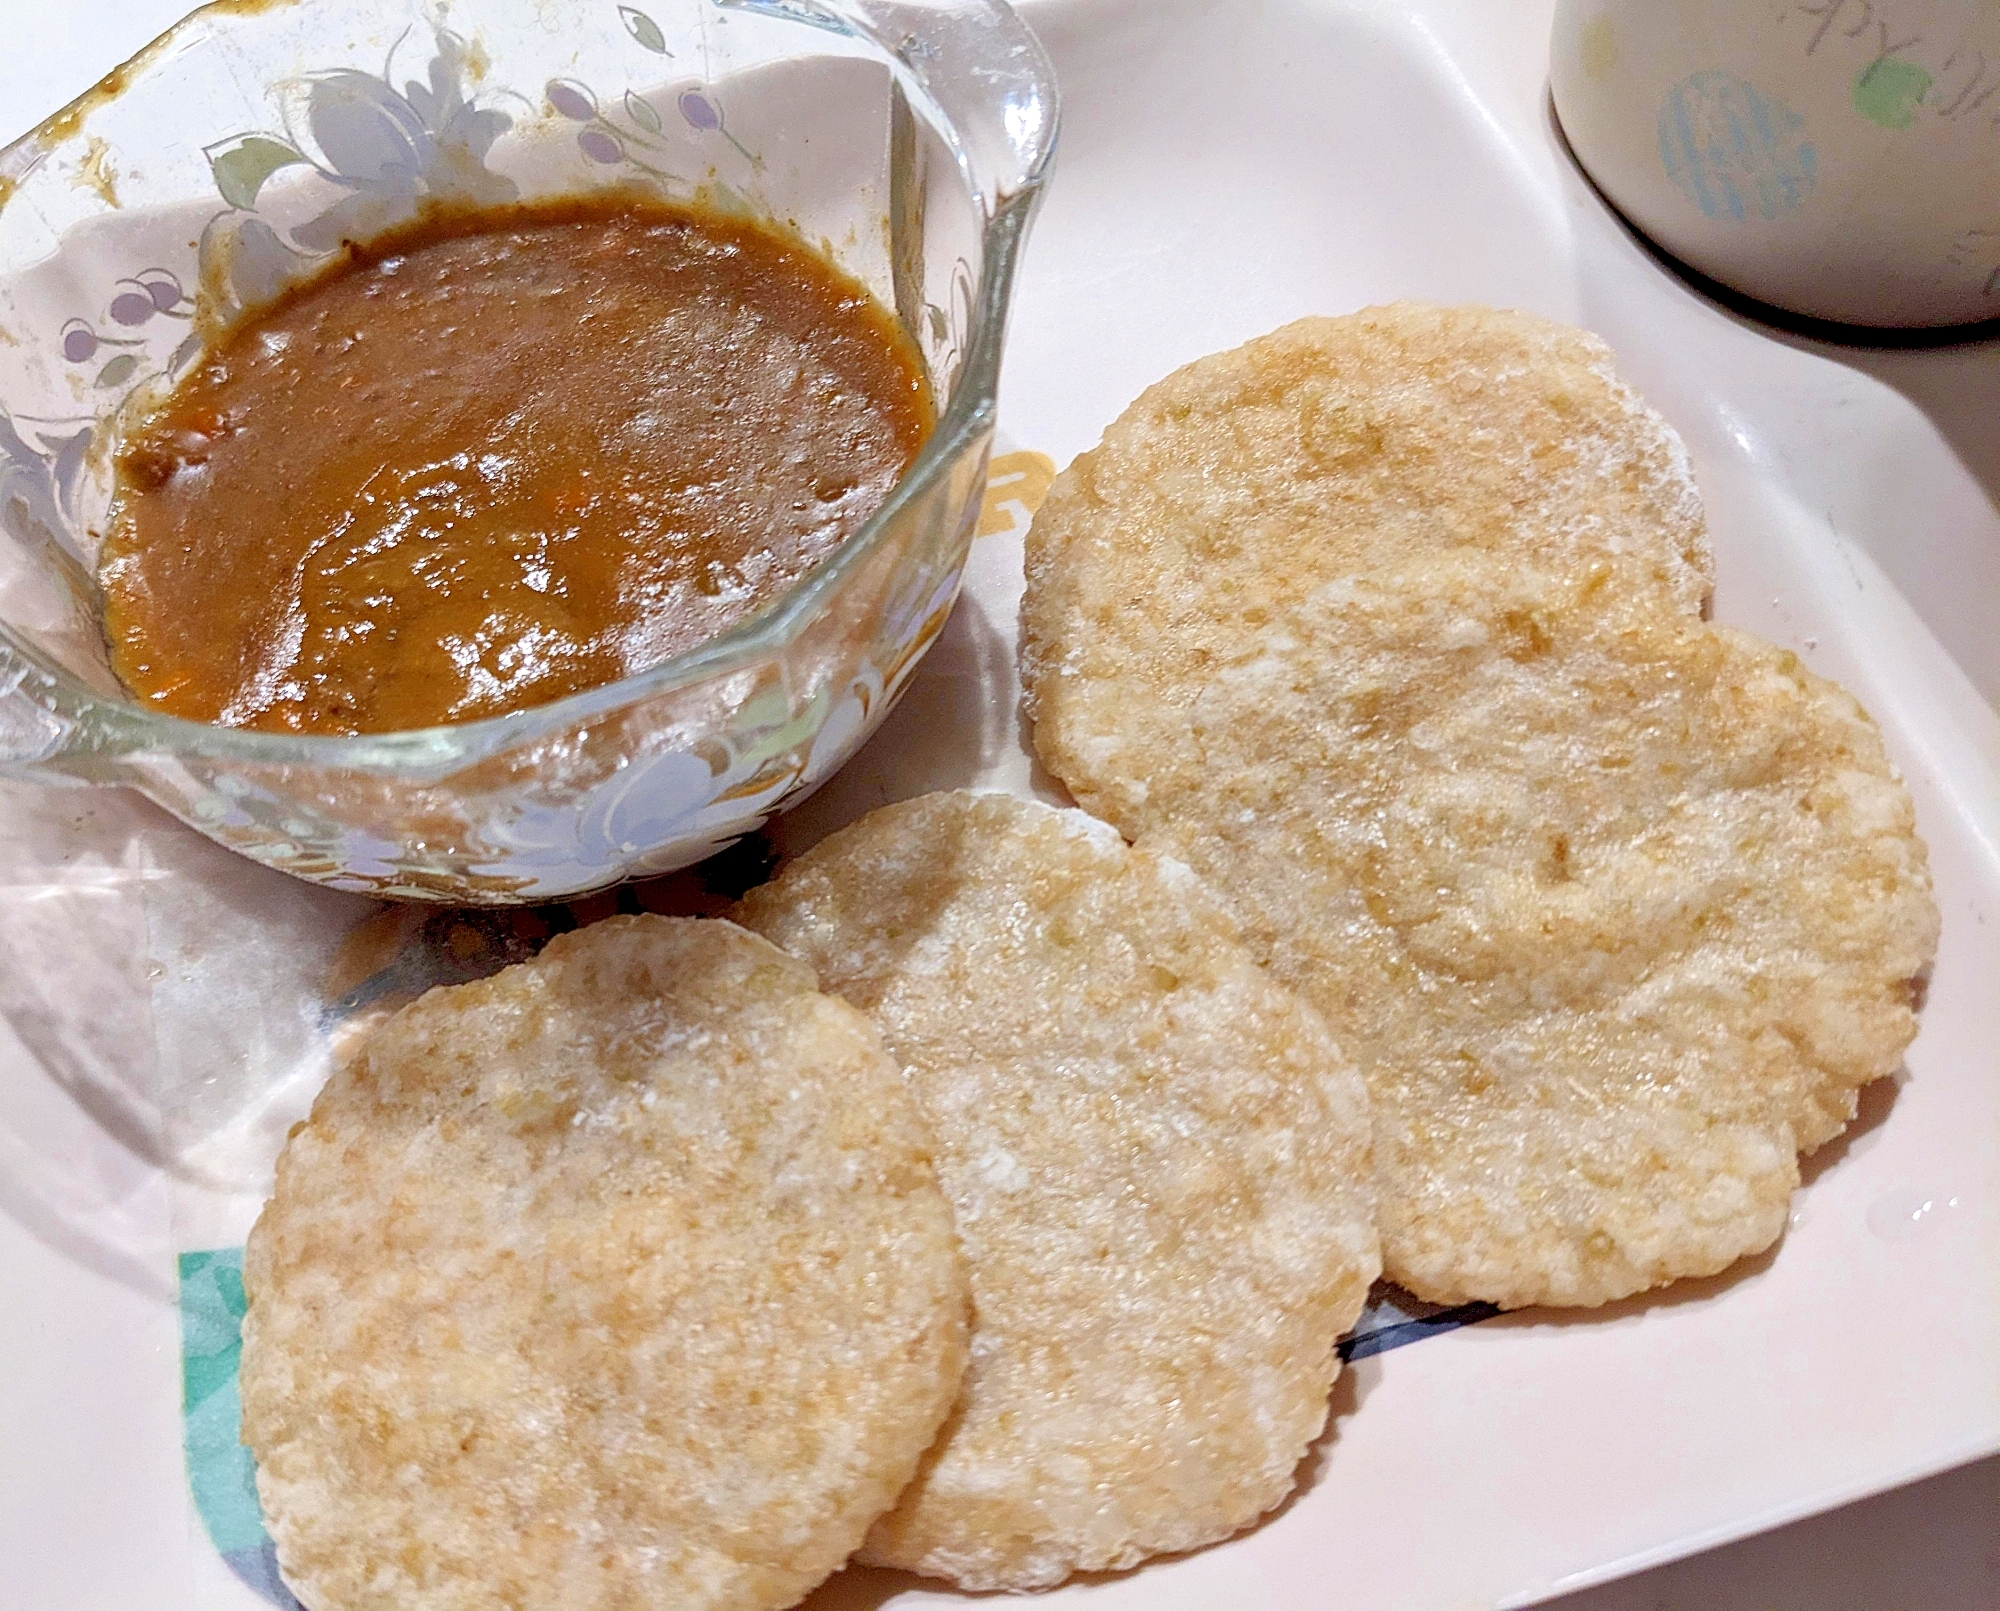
1839	158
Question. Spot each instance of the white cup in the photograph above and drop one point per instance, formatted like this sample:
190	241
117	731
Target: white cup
1840	158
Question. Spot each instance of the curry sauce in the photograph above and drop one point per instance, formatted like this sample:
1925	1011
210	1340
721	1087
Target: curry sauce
498	457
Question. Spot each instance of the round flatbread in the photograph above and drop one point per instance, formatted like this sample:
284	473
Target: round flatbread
1617	911
621	1278
1158	1160
1388	435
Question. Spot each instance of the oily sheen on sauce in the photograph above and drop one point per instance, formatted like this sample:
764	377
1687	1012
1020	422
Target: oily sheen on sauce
497	457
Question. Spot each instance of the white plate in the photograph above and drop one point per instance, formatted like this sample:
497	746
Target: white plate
1224	167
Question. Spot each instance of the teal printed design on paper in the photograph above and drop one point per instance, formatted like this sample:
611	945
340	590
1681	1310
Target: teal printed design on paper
1733	150
220	1470
219	1467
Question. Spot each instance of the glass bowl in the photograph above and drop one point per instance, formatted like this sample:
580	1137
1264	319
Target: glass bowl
910	140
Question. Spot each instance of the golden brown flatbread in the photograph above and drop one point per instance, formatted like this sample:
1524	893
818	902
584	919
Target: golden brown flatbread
619	1279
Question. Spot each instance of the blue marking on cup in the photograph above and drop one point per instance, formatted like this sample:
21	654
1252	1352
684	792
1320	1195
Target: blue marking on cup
1733	150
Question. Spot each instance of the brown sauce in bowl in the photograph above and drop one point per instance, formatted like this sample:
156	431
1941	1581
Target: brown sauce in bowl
495	458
